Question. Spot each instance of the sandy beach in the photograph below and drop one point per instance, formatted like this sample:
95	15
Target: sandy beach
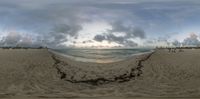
40	73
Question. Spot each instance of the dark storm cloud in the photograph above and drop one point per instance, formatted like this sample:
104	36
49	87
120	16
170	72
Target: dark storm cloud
67	29
87	41
59	34
112	38
99	38
129	32
124	40
117	39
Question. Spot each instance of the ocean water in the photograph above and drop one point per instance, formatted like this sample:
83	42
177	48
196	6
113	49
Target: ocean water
101	55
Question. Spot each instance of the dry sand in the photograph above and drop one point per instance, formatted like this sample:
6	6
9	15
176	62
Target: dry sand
39	73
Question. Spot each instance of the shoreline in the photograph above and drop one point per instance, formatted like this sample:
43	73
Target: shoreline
134	71
109	62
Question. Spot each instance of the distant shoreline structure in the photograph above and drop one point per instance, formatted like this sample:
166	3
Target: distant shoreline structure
42	47
8	47
178	47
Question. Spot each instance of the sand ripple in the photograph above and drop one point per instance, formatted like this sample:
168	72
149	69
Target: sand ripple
35	73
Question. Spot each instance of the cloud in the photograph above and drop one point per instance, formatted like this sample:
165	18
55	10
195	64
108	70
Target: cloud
129	43
124	41
60	34
87	41
99	38
11	39
71	29
188	41
192	40
118	39
130	31
127	33
56	23
52	21
177	43
14	39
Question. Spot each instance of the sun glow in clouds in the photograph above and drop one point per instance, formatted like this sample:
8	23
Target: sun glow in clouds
103	44
86	35
91	29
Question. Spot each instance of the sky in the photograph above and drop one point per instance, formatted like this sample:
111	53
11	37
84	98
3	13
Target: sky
99	23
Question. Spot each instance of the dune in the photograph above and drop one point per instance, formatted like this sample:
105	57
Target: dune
41	73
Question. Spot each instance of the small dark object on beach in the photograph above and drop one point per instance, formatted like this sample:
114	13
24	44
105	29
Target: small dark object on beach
181	50
174	50
169	49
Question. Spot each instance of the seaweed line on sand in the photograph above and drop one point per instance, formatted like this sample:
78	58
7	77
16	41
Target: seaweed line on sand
134	72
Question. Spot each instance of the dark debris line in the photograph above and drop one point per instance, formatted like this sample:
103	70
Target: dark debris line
135	72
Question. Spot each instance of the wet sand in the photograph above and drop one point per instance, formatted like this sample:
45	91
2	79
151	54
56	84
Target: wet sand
39	73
